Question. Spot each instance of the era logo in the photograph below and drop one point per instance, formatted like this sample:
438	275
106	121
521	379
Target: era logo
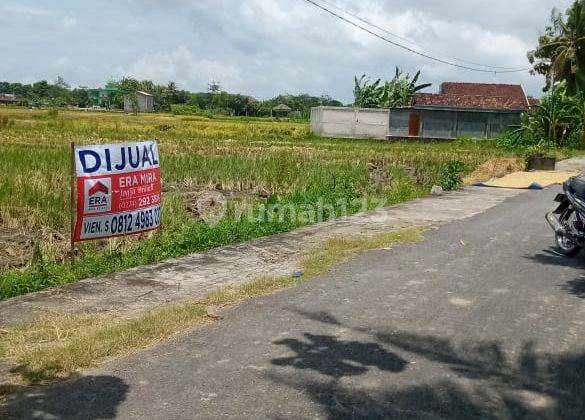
98	195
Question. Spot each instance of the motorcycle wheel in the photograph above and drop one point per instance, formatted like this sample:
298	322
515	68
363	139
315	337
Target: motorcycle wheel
564	244
566	247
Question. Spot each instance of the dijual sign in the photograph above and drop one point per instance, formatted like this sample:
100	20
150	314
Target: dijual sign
118	189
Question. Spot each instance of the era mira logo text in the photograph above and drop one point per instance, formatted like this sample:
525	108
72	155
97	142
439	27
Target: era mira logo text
98	196
118	159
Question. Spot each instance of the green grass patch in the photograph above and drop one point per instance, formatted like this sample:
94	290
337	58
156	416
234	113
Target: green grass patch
257	162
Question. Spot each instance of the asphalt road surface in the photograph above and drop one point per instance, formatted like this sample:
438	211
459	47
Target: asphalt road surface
481	320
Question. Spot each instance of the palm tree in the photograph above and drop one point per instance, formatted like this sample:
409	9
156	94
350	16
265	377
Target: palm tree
561	51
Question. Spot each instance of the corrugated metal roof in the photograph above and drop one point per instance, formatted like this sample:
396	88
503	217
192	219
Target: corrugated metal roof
143	93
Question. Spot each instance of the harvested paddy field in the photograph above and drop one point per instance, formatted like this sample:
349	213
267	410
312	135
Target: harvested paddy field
224	181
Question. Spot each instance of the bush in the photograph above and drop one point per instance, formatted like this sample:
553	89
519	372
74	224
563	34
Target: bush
180	109
451	175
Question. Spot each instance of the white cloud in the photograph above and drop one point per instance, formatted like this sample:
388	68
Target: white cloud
62	63
264	47
22	10
183	67
69	22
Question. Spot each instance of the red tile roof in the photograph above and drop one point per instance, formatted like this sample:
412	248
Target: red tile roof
484	89
470	102
480	96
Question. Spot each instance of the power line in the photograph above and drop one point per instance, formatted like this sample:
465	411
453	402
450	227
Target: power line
410	41
404	47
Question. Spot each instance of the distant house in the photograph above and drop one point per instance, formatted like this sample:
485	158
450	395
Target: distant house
9	99
139	102
281	110
474	110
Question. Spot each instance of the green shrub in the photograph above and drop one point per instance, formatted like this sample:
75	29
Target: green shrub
181	109
558	120
451	175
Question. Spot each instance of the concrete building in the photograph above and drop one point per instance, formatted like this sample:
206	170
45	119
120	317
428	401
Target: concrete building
474	110
139	102
332	121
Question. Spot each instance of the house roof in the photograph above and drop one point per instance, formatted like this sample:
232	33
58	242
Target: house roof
470	102
282	107
8	97
484	89
475	96
143	93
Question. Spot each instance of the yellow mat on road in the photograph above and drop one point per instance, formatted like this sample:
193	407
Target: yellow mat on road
530	180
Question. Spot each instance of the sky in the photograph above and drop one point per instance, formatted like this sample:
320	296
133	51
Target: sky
265	47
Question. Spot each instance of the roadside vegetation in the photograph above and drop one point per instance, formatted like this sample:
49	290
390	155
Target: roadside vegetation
256	165
60	344
559	120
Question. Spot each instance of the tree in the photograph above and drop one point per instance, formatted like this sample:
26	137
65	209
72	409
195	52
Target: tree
128	87
556	122
214	87
60	82
560	55
393	93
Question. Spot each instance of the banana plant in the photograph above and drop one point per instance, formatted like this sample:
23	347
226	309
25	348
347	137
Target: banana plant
393	93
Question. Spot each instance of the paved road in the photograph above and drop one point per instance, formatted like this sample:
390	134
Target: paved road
482	320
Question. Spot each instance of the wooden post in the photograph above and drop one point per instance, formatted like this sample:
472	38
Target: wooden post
72	203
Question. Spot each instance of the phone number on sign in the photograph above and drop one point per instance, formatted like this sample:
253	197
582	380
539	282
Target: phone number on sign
140	202
121	224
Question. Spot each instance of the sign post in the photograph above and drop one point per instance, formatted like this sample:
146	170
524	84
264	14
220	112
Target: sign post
118	190
72	203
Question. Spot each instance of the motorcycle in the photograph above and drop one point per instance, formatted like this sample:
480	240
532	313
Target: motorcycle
568	220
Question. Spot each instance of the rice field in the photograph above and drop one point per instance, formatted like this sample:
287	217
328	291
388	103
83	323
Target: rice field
255	164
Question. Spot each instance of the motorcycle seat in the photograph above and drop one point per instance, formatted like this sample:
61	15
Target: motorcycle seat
577	186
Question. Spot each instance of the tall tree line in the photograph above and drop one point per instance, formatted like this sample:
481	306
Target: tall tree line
214	100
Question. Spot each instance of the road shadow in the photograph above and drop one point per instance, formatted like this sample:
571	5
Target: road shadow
552	257
85	397
575	286
338	358
469	380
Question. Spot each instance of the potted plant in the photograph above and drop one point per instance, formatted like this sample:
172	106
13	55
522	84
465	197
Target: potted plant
540	157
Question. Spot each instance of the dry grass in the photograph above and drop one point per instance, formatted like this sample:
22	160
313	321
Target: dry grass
60	344
494	168
249	161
